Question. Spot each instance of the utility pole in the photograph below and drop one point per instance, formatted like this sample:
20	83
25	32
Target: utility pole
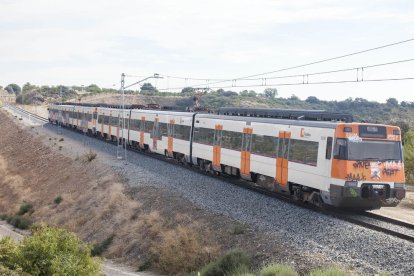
121	123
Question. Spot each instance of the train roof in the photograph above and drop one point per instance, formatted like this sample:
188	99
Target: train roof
320	124
291	114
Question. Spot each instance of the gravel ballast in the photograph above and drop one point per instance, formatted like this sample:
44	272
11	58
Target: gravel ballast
365	250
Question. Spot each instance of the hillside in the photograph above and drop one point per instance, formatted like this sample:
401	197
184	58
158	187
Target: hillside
362	110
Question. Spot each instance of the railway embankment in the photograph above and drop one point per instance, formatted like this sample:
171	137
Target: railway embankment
137	209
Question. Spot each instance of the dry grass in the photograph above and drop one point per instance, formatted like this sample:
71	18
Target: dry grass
89	156
182	249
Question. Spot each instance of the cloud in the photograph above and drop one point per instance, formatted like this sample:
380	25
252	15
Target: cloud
71	41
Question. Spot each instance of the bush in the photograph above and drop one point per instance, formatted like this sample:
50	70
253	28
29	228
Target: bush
234	262
49	251
278	270
58	200
329	271
24	208
61	140
239	229
18	222
99	248
90	156
181	250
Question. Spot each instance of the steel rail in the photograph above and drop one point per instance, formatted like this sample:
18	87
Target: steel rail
27	114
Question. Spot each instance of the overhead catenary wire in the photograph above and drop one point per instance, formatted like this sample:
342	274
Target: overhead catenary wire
319	82
264	81
291	67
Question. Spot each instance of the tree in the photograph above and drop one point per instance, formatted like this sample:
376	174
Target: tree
244	93
270	93
312	100
28	87
13	88
49	251
392	102
93	88
252	93
294	98
188	90
147	87
409	156
404	128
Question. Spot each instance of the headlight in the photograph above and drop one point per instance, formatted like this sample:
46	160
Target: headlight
351	183
399	185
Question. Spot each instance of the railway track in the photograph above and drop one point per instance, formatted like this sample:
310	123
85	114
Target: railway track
27	114
387	225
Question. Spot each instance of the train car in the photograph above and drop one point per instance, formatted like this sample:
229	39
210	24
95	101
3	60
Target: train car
314	156
162	132
110	122
350	165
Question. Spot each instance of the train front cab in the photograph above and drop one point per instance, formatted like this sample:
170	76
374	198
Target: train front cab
367	167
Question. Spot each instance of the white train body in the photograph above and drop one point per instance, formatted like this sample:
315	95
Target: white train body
310	160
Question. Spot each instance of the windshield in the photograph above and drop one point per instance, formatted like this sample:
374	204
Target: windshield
368	150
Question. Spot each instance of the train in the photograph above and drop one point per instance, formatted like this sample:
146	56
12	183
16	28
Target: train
318	157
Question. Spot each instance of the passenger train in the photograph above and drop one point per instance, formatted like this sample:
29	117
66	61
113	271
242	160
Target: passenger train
313	156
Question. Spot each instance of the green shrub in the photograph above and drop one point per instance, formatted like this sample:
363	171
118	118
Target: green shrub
3	217
90	156
146	264
328	271
239	229
61	139
24	208
99	248
18	222
4	271
53	251
235	262
278	270
58	200
8	253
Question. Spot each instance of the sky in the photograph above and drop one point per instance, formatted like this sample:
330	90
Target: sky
51	42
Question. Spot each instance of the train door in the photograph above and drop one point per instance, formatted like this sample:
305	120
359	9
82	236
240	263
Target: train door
218	132
94	120
141	133
282	162
155	133
245	152
170	129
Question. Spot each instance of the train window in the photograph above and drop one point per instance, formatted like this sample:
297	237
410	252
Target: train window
265	145
231	140
149	125
304	152
106	120
163	129
182	132
203	135
328	154
341	149
155	131
135	124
